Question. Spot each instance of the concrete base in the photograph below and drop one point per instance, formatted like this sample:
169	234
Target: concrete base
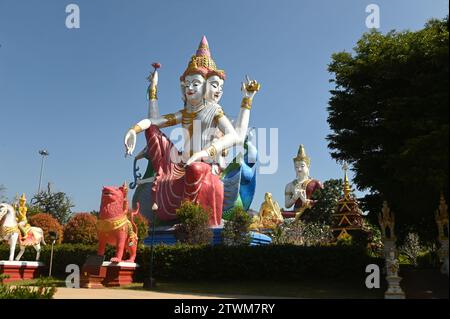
394	291
107	275
21	270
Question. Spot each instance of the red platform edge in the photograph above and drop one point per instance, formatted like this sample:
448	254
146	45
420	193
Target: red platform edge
109	275
21	270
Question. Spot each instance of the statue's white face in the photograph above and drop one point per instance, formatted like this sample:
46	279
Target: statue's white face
194	88
214	89
301	168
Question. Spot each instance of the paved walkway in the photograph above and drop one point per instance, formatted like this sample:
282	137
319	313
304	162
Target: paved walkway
105	293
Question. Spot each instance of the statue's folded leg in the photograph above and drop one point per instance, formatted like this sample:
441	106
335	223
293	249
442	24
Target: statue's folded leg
159	148
168	185
206	189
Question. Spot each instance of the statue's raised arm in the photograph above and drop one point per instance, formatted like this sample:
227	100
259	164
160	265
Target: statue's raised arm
153	115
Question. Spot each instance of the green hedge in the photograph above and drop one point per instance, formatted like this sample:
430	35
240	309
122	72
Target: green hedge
183	262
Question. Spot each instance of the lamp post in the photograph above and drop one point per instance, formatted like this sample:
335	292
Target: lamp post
53	236
43	153
150	282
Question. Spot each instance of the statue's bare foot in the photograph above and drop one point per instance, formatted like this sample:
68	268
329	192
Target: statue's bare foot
115	260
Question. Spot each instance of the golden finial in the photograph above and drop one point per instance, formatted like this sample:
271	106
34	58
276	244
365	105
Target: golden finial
347	188
301	156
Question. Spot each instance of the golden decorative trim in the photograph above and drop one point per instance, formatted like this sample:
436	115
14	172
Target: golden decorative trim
152	94
7	230
212	151
218	115
246	103
107	225
171	120
253	86
137	129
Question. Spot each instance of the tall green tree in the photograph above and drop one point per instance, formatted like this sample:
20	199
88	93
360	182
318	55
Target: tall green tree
57	204
389	115
327	201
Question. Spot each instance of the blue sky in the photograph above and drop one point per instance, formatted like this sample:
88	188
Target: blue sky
75	92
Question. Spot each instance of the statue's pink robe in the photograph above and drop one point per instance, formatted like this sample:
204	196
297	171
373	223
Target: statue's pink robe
175	182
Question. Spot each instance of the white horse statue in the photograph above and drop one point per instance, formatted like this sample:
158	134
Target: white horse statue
9	231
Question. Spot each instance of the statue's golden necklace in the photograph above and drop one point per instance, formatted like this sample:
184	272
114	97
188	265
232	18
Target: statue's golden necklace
187	118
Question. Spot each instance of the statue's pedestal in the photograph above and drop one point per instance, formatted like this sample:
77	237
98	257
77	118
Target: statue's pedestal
288	213
394	290
21	270
107	275
166	236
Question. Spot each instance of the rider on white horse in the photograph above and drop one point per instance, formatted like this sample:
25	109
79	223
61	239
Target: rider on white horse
9	231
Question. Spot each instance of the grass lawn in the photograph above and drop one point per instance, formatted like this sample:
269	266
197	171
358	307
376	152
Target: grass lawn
302	289
266	288
417	283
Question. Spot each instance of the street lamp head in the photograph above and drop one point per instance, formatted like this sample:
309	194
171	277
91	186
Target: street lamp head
44	152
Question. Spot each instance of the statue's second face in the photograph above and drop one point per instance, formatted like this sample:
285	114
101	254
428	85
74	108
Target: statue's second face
194	88
214	89
301	168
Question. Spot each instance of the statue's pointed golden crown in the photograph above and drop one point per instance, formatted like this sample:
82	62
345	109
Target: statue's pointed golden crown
301	156
23	198
202	63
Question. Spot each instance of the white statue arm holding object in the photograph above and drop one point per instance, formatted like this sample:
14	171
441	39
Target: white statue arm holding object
249	89
229	139
163	121
153	110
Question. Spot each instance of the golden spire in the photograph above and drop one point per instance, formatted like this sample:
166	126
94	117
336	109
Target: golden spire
301	156
347	188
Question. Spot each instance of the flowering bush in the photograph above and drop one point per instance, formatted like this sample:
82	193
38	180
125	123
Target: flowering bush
48	223
296	232
411	248
81	229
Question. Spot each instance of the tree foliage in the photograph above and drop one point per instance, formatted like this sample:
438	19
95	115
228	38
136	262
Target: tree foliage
236	229
56	204
327	201
194	224
48	223
389	114
81	229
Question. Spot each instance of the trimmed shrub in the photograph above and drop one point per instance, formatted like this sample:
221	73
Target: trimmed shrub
48	223
194	224
236	229
186	262
81	229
